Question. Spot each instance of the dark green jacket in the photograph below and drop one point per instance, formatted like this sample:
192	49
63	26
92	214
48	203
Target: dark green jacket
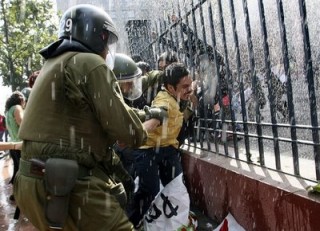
75	109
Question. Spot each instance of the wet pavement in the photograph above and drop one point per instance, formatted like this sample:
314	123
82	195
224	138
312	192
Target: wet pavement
8	208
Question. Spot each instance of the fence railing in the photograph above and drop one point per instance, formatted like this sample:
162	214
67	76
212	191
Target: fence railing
263	56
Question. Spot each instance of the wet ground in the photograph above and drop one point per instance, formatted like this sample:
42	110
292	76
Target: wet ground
8	208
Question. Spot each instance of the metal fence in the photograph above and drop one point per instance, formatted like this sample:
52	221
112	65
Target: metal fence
263	57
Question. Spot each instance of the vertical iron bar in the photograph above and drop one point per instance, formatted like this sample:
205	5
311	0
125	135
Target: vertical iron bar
172	42
240	78
217	65
205	44
181	32
175	25
191	55
191	63
162	46
158	45
254	81
270	91
310	78
292	117
229	79
165	36
195	32
195	130
195	37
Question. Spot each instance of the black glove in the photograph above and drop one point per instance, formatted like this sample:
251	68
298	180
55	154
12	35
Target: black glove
159	113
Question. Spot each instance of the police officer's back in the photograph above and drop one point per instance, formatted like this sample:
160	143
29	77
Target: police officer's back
75	113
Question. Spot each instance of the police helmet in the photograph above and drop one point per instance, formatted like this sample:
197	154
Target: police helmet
89	25
128	75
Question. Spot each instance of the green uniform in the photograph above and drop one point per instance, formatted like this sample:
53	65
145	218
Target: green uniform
76	111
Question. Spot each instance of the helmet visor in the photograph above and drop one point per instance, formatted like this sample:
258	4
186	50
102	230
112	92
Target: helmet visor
112	47
131	88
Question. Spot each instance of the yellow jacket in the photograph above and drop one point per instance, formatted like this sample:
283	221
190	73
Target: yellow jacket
167	133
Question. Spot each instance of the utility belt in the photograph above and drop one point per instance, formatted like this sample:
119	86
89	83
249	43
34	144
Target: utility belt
60	176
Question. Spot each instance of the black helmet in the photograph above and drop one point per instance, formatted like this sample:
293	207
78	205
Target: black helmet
129	76
89	25
125	68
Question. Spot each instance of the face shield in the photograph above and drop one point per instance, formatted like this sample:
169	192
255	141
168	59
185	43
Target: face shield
112	47
131	88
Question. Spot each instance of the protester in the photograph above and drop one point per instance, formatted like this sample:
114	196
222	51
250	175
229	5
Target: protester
159	158
140	91
32	78
14	110
75	114
10	146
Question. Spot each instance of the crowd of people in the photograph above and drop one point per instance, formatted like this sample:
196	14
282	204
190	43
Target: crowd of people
106	130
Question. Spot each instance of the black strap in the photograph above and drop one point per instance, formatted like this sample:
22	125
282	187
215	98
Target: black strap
16	213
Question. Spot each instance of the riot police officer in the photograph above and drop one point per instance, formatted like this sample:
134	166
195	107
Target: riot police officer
130	81
75	114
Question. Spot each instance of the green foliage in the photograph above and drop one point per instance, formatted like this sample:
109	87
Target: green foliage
26	27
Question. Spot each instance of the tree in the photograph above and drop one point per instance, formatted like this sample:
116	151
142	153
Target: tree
26	27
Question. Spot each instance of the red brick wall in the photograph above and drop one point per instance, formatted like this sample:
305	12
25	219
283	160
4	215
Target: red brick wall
257	203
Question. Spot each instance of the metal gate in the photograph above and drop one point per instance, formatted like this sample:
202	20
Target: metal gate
263	56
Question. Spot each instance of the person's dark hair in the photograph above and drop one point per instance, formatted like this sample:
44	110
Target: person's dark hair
169	57
136	58
32	78
145	67
16	98
174	73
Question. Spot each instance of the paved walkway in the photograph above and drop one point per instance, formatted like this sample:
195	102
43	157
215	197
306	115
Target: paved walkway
7	207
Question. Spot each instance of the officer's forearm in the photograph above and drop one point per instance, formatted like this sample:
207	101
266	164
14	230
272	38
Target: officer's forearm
159	113
141	114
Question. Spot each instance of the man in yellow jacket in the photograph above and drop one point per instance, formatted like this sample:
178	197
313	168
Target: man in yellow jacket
158	159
